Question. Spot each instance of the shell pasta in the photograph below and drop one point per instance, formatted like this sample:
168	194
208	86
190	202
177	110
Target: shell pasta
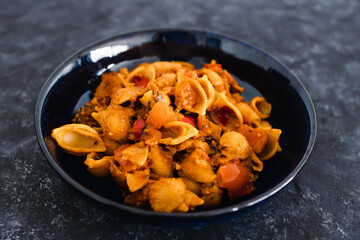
174	138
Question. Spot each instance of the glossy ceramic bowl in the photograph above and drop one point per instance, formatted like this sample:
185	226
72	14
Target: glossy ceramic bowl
73	82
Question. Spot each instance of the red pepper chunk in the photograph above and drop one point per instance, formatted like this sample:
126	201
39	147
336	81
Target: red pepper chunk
140	82
139	126
223	114
236	179
189	119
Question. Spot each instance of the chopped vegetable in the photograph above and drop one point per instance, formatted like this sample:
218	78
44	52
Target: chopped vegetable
189	119
159	114
140	82
223	114
139	126
236	179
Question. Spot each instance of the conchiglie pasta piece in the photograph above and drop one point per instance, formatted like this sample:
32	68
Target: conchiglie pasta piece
78	139
256	137
272	146
97	166
123	162
224	113
161	162
197	167
118	175
185	65
123	72
192	185
209	90
229	79
190	95
115	122
149	72
146	71
215	79
137	179
191	201
122	95
177	132
165	67
136	154
257	164
250	117
167	194
261	107
182	208
234	145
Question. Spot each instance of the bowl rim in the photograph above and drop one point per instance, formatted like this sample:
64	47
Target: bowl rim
206	213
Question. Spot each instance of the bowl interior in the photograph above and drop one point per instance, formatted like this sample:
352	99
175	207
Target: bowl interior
73	82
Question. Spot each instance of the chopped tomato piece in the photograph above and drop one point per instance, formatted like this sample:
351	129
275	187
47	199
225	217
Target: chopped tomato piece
223	114
189	119
139	126
236	179
140	82
160	113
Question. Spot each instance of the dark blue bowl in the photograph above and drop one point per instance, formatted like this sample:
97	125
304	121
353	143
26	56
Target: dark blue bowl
73	82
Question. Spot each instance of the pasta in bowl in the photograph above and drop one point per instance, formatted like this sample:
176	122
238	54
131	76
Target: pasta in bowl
174	138
262	81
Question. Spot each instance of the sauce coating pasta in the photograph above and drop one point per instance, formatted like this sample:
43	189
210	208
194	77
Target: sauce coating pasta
174	138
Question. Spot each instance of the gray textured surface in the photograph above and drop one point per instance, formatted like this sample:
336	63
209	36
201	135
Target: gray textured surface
318	40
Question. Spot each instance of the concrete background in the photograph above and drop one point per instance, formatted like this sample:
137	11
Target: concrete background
317	40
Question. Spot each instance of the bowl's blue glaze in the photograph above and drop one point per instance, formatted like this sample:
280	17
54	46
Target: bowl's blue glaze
72	83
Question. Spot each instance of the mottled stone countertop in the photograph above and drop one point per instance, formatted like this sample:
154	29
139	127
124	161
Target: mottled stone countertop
318	40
